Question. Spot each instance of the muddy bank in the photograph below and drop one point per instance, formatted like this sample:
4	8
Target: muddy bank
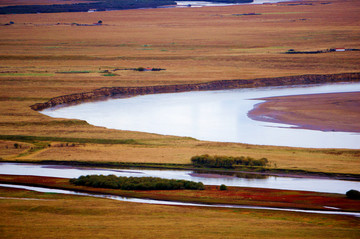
122	92
325	112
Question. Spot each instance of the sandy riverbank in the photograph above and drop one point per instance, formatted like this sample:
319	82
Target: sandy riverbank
325	112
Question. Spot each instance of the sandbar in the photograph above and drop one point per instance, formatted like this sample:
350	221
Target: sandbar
325	112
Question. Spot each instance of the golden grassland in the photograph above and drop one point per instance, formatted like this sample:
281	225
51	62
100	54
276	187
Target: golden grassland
179	151
58	216
44	56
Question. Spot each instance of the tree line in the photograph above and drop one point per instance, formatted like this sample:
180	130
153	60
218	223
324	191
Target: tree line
135	183
226	161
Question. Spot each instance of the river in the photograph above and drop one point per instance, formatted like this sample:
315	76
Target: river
233	179
219	4
211	115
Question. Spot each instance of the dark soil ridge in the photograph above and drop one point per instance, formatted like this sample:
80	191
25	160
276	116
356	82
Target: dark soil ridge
122	92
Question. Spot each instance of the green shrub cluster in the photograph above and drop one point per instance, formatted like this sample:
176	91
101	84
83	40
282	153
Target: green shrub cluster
353	194
135	183
226	161
223	187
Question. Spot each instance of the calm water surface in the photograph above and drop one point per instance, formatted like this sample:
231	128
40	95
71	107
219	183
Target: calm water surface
289	183
211	115
218	4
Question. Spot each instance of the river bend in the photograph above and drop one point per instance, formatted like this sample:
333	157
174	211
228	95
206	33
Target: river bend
211	115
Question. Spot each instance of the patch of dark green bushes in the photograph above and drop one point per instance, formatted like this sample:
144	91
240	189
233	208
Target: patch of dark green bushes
135	183
227	161
353	194
223	187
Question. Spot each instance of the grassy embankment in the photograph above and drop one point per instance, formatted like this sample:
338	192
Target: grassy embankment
56	216
211	194
193	45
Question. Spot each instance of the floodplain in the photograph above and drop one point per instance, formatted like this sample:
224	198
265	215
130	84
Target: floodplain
49	55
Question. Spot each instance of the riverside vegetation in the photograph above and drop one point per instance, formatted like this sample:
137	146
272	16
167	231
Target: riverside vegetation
135	183
227	161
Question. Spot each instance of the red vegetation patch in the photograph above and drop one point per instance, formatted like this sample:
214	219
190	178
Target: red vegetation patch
211	194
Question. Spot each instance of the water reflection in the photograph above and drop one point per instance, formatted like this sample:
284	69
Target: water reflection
211	115
219	4
202	174
276	182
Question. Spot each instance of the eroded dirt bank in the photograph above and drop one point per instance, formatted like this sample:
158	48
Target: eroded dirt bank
118	92
326	112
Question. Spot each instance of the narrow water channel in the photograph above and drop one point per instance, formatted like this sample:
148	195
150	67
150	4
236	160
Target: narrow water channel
173	203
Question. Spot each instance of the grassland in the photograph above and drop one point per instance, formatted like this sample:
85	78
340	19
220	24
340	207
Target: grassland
36	215
193	45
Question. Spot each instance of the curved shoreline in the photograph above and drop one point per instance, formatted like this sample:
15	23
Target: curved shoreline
123	92
324	112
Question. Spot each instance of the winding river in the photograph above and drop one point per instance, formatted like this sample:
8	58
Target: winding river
211	115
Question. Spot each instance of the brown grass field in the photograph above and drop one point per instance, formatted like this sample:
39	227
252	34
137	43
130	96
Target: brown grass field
59	216
44	56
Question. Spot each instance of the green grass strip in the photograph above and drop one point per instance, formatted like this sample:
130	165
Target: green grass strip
73	72
32	139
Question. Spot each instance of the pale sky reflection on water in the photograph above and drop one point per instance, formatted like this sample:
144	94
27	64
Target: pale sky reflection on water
211	115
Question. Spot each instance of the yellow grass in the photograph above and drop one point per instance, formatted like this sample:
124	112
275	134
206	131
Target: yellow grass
193	45
59	216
